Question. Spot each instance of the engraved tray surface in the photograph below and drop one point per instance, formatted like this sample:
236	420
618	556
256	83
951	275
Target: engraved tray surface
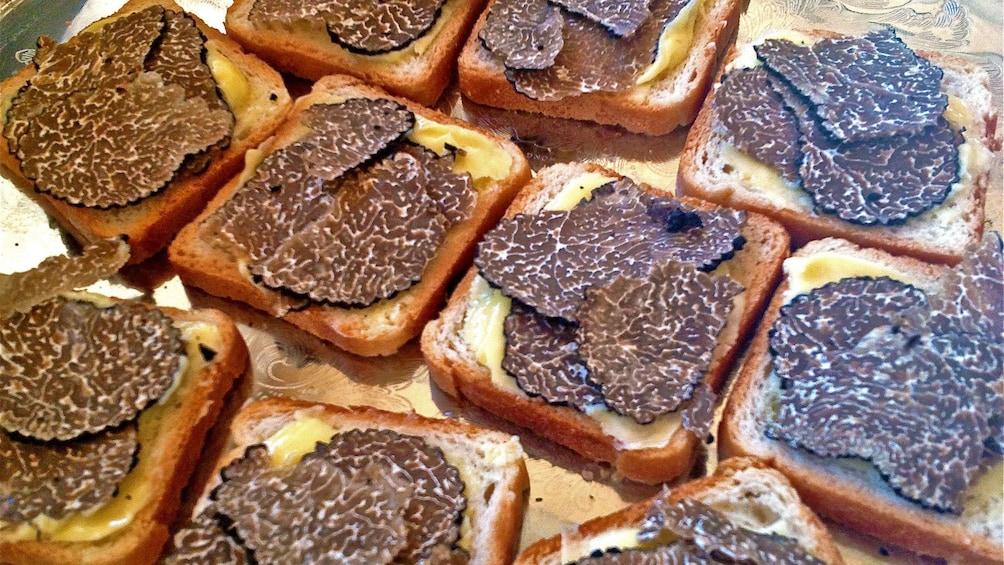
565	489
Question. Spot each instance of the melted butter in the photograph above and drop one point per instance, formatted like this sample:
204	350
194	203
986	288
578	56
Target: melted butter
674	44
807	273
231	81
576	191
767	180
483	159
133	494
288	445
958	113
574	548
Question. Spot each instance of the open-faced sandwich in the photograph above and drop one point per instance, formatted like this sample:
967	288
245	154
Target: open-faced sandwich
856	137
131	126
104	407
875	384
603	315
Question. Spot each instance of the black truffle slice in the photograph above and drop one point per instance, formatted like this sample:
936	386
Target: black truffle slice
702	238
890	399
525	34
835	317
55	479
884	180
204	540
619	18
677	553
382	231
303	512
972	299
118	49
20	292
541	353
698	413
70	367
715	535
862	87
648	342
758	122
365	27
113	146
433	511
593	60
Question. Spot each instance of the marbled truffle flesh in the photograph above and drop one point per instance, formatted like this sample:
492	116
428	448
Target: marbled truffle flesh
70	367
364	27
525	34
114	116
204	541
54	479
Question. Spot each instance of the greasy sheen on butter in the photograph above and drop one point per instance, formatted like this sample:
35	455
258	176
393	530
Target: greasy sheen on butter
804	274
478	155
674	44
133	492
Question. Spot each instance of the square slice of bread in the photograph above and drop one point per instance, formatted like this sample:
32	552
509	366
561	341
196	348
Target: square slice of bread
420	71
857	495
171	436
204	259
656	108
256	95
490	462
707	170
457	369
745	490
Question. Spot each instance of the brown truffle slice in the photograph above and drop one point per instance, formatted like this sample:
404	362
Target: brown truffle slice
525	34
307	511
678	553
618	17
54	479
20	292
365	27
593	60
648	342
541	353
861	87
204	540
70	367
114	146
698	413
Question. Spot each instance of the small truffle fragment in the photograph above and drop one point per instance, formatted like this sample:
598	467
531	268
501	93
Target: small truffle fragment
71	367
55	479
525	34
861	87
648	342
204	540
678	553
20	292
618	17
541	353
364	27
699	413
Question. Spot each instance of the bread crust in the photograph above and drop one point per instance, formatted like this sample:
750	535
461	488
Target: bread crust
657	110
457	372
862	502
493	535
202	259
699	175
170	461
732	479
151	222
419	77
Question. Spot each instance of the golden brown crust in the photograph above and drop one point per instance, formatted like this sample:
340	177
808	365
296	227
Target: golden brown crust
865	504
202	260
700	156
494	532
151	223
674	101
454	370
421	78
170	461
729	474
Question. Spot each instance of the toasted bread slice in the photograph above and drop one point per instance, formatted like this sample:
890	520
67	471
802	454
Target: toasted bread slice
745	490
203	259
462	371
133	526
709	170
259	101
420	70
857	495
490	462
662	104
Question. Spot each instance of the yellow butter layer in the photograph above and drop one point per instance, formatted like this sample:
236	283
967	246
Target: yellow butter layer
804	274
674	44
133	492
479	156
232	82
291	442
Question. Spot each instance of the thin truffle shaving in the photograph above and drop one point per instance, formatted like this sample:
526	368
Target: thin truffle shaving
526	34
